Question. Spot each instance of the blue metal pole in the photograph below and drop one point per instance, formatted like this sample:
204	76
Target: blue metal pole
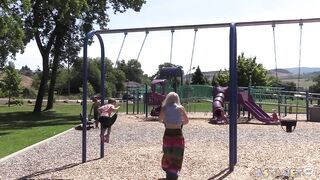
84	96
103	92
233	90
85	89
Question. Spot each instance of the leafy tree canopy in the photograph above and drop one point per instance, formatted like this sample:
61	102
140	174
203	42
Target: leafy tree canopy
11	81
247	70
247	67
316	87
198	77
59	28
157	74
221	78
11	31
132	70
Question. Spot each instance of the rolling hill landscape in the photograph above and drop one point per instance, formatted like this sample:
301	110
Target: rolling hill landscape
292	75
287	75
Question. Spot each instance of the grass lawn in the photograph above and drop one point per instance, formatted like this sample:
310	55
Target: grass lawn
19	127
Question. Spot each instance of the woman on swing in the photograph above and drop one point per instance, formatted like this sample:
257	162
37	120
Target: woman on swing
106	119
174	116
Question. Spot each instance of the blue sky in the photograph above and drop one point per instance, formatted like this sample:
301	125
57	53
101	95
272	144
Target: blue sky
211	47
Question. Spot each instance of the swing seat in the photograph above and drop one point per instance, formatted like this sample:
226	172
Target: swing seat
155	111
289	124
89	122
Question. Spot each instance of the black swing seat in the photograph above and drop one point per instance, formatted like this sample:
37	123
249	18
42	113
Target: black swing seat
289	124
155	111
89	123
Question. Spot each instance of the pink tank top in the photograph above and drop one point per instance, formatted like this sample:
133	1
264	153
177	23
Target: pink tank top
106	110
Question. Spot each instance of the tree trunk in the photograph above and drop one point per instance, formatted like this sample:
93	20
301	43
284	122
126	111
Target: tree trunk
43	84
57	52
45	70
9	100
52	83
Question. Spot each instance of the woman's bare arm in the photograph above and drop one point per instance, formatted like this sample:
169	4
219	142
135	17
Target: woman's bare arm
185	119
161	116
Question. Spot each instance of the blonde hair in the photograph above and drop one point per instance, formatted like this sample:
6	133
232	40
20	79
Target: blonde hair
171	98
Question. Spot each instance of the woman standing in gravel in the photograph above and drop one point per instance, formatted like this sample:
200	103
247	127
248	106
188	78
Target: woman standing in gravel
174	116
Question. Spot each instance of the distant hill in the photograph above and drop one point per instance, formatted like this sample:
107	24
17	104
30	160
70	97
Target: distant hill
283	73
303	70
290	73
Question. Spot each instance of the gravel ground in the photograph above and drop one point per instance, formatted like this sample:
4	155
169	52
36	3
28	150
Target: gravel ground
134	152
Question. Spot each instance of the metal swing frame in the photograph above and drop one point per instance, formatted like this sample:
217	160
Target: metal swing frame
232	65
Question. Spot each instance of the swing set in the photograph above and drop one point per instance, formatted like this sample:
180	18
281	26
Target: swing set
289	124
232	66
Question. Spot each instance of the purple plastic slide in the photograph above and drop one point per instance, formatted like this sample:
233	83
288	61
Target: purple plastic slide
247	101
218	110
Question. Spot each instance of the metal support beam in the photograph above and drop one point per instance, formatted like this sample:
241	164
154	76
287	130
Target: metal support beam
233	91
206	26
85	91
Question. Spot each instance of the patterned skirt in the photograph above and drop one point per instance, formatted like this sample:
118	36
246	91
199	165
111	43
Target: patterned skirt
173	149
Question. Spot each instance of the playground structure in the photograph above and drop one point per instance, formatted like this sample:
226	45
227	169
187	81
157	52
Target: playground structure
171	79
254	99
233	71
245	100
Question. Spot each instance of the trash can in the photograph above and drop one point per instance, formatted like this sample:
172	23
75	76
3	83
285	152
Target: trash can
314	113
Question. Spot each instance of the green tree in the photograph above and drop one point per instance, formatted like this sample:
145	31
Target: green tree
276	82
132	70
11	28
59	27
11	82
120	78
2	94
247	67
273	81
198	77
157	74
36	79
62	81
146	79
221	78
94	74
316	87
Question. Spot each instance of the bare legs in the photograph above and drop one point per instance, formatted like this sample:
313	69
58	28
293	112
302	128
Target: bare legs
105	137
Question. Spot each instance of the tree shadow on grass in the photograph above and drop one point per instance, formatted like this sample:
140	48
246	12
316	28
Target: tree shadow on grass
68	166
4	133
24	120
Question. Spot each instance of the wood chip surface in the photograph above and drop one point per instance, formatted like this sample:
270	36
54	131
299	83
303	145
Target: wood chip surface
135	151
